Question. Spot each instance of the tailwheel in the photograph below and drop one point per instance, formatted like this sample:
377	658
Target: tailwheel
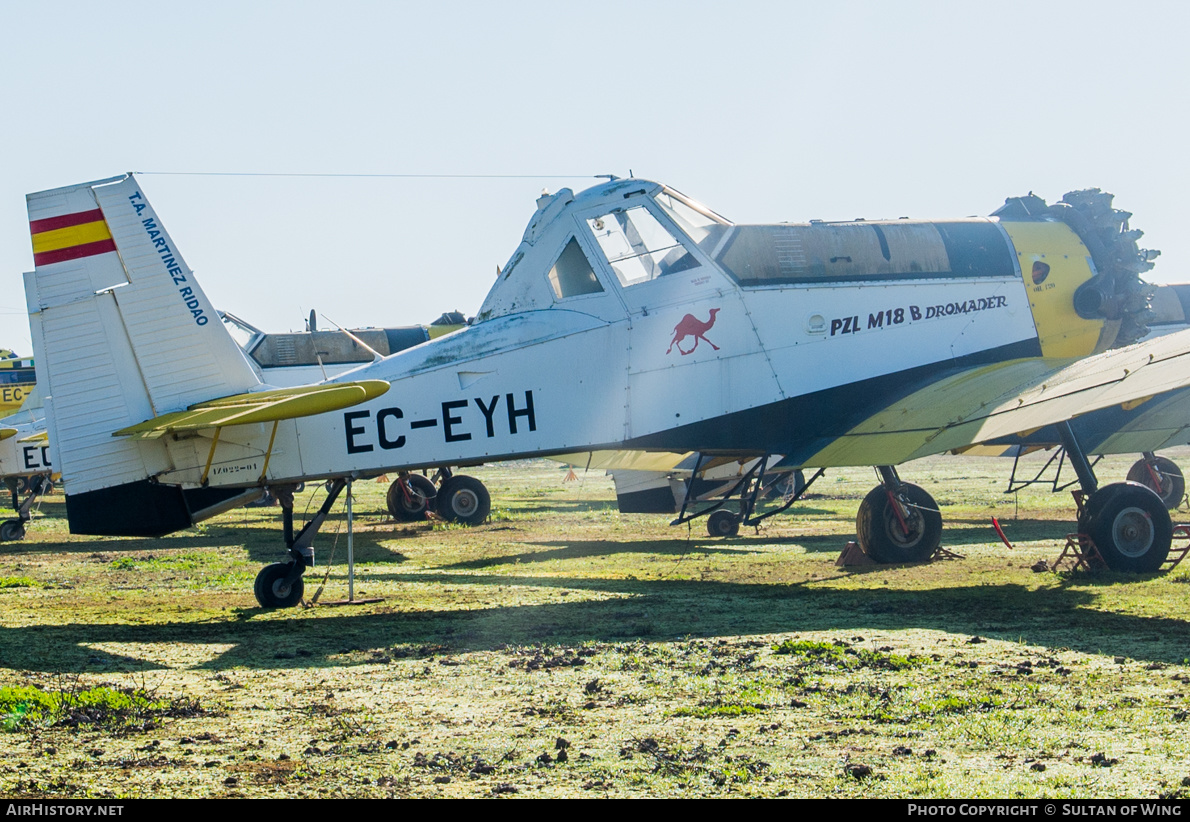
899	526
12	530
410	497
1130	526
274	588
1161	476
464	500
723	524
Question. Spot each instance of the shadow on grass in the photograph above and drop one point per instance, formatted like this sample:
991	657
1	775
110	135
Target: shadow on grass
367	546
1062	616
585	549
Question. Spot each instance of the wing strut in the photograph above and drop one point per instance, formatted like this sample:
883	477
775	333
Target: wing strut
1078	460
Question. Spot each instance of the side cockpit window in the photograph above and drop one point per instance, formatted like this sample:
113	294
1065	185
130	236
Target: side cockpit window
638	247
572	274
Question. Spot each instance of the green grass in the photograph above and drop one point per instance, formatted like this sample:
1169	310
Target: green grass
115	709
660	661
20	582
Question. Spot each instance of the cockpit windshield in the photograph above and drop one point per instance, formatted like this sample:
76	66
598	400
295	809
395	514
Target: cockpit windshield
700	224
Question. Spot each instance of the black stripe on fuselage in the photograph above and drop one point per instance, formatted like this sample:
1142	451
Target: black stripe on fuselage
800	427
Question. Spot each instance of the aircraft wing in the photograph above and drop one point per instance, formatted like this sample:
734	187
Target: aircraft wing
980	405
259	406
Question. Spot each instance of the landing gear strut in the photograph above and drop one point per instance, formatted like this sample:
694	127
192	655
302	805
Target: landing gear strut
725	523
898	522
1128	522
1160	475
14	529
280	585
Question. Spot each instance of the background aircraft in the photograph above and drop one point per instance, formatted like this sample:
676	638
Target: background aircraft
25	464
17	378
629	318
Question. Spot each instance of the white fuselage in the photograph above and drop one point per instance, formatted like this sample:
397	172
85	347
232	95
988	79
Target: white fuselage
555	380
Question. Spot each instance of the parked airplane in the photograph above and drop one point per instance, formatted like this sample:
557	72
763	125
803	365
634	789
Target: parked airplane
832	344
24	462
17	378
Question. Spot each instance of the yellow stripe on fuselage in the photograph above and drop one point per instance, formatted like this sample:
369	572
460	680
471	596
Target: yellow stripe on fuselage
71	236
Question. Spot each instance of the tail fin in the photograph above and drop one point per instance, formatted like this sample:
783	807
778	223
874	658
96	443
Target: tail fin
122	333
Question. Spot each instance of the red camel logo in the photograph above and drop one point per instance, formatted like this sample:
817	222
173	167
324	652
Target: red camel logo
691	326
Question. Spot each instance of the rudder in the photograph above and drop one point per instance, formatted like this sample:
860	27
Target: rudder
122	332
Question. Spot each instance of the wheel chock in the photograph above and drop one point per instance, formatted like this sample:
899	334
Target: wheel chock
852	555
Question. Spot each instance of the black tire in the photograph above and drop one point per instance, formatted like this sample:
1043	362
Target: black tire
879	531
1130	526
1171	486
271	589
464	500
12	530
786	485
413	501
723	524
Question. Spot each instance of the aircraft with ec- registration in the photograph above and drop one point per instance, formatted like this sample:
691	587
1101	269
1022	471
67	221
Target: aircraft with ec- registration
25	466
630	318
17	378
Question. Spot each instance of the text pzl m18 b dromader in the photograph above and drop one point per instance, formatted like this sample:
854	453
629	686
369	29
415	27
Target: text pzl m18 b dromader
629	319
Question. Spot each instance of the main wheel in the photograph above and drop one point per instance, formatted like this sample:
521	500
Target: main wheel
1169	484
1130	526
271	589
410	498
12	530
723	524
881	534
464	500
786	486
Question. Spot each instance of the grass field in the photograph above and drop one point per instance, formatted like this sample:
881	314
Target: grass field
564	649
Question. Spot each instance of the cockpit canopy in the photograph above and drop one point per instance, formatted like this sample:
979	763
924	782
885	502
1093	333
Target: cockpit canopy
580	250
616	235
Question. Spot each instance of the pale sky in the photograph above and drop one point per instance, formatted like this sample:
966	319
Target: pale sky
766	111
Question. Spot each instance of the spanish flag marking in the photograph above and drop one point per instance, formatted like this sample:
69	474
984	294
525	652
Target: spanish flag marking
70	237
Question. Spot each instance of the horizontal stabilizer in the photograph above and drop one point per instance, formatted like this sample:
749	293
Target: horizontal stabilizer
257	407
5	433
